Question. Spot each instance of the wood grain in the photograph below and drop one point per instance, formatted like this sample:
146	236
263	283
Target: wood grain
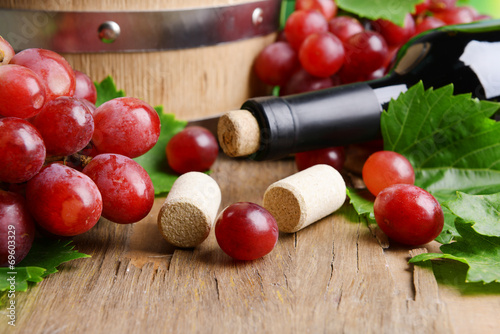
335	276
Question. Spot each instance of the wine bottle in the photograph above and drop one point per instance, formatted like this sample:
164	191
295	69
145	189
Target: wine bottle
467	56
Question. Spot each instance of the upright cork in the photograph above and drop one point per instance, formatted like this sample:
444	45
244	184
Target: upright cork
305	197
239	133
190	209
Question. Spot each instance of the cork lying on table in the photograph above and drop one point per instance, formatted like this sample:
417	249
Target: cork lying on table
305	197
239	133
189	211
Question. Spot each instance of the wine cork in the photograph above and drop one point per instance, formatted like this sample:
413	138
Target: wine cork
305	197
189	211
239	133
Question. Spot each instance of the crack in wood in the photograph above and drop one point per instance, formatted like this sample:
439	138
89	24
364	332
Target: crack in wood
217	288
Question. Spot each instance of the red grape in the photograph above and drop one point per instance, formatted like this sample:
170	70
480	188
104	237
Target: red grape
333	156
393	33
246	231
85	88
428	23
301	24
126	188
194	149
22	92
441	5
422	7
365	52
17	229
63	200
457	15
6	51
301	82
89	105
126	126
53	69
275	63
322	54
22	151
344	27
66	125
385	168
326	7
408	214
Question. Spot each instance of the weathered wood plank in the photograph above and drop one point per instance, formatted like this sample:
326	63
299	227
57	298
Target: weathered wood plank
334	276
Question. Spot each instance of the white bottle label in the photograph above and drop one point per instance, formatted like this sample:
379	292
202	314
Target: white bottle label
385	94
483	58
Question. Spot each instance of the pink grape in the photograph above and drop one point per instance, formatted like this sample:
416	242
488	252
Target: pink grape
246	231
126	188
63	201
22	151
17	229
85	88
427	23
393	33
344	27
365	52
408	214
275	63
326	7
126	126
22	92
192	149
53	69
332	156
66	125
6	51
322	54
301	24
301	81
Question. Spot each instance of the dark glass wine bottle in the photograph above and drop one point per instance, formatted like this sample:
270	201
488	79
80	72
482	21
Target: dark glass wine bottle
467	56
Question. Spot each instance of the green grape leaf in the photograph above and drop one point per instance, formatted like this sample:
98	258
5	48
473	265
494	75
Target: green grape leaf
106	90
392	10
43	259
450	141
155	160
481	253
483	210
362	201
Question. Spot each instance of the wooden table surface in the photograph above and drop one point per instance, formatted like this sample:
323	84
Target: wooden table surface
338	275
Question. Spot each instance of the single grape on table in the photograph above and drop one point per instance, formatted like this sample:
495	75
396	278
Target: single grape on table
408	214
385	168
194	149
246	231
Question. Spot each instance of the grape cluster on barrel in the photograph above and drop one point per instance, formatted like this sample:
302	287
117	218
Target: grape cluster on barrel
318	48
64	162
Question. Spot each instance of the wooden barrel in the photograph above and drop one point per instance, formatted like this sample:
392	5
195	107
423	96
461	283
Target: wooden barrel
187	79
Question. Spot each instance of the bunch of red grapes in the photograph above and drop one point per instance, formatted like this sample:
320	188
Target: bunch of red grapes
63	162
319	49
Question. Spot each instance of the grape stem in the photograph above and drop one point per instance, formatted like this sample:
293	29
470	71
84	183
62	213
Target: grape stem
75	159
